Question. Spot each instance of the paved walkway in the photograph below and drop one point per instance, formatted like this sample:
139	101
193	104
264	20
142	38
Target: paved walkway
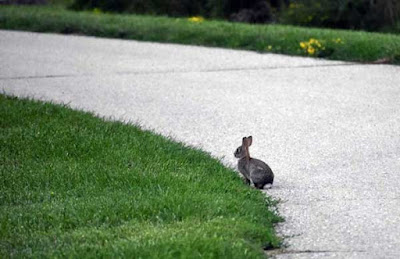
329	130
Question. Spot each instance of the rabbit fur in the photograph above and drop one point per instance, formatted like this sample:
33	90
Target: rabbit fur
255	171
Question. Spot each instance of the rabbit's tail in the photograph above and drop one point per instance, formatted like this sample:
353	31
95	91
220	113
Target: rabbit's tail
262	185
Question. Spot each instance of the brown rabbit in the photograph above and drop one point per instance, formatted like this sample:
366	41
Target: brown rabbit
254	170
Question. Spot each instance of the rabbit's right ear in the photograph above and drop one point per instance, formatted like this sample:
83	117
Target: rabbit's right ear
249	141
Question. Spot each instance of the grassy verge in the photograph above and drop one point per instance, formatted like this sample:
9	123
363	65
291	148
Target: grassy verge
331	44
73	185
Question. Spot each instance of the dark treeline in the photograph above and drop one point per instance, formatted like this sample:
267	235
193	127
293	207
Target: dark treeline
345	14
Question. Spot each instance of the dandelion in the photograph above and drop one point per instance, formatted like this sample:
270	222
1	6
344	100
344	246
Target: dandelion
311	50
314	41
196	19
312	46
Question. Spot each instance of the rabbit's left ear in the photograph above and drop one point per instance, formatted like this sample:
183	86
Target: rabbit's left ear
249	141
244	141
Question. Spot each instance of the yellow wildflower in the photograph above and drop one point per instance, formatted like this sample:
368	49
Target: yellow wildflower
196	19
312	46
269	47
311	50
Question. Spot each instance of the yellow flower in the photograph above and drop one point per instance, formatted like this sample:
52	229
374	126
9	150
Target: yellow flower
312	46
311	50
269	47
196	19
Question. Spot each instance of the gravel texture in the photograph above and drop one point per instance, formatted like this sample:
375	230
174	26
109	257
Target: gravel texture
329	130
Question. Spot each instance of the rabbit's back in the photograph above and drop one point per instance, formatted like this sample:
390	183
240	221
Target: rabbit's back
260	173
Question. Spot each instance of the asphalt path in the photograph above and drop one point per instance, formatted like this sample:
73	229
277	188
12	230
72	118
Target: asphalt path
329	130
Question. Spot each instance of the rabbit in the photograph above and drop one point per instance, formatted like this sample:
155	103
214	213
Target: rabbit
255	171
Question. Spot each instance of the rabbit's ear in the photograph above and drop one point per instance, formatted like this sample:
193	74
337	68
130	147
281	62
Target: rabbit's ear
246	144
249	141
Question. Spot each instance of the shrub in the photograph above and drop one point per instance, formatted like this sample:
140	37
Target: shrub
157	7
238	10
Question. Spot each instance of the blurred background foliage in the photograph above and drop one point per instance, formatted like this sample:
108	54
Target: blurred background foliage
370	15
239	10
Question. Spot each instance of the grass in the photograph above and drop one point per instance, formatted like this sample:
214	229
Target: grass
74	185
353	45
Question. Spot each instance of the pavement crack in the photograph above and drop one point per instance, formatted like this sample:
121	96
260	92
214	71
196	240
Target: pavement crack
235	69
41	77
149	72
278	67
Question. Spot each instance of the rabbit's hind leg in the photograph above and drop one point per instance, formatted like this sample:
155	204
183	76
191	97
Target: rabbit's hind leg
259	186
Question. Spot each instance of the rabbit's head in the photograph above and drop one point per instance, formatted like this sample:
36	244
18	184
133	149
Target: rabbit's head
243	150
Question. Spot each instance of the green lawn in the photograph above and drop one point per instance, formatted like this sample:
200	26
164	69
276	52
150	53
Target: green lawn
332	44
74	185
